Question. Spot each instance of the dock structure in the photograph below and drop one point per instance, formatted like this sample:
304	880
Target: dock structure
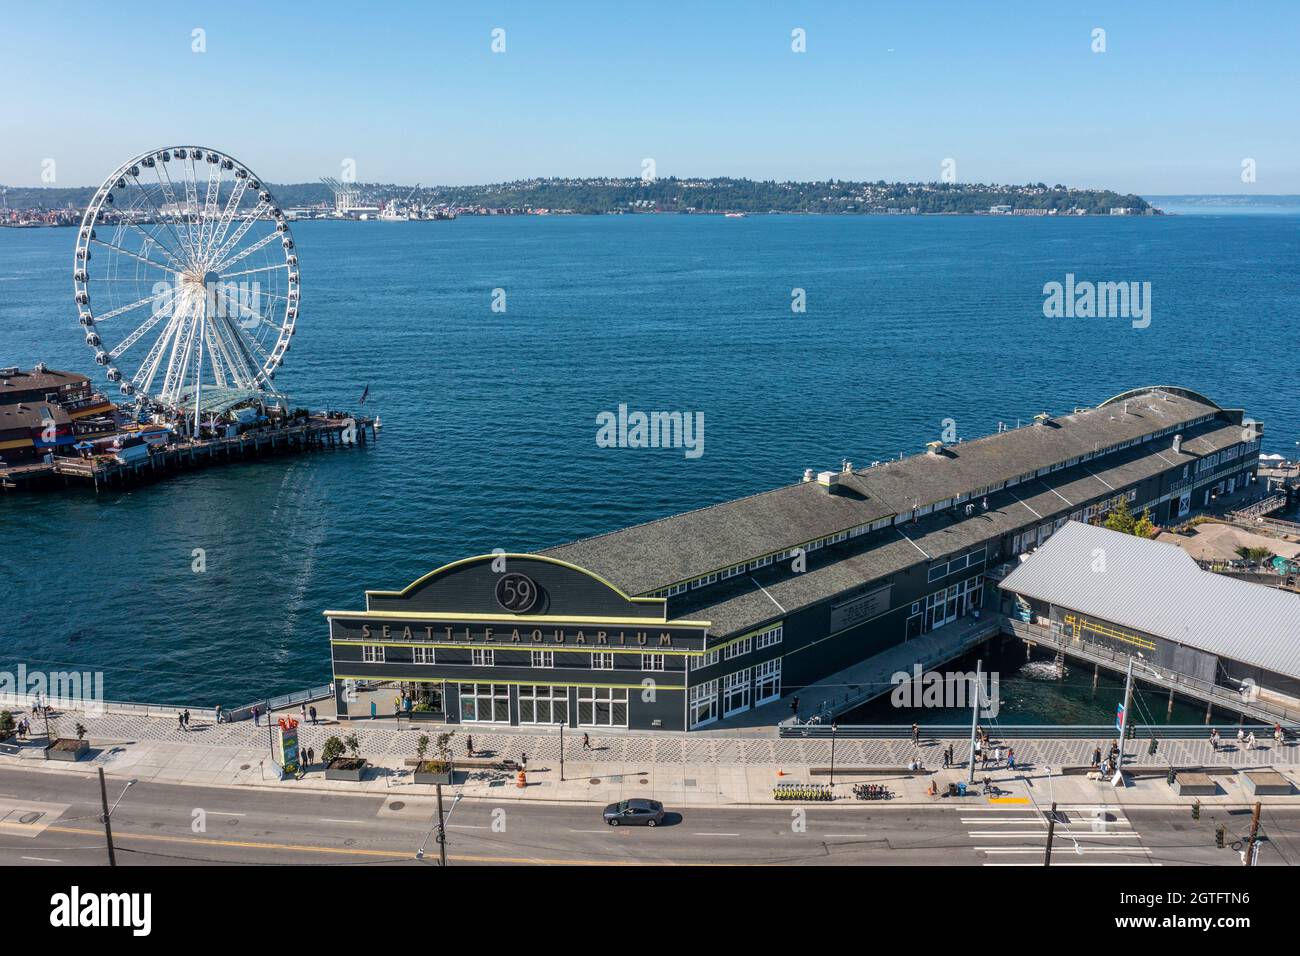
105	471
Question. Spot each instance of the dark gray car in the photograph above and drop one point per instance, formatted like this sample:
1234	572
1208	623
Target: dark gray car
635	813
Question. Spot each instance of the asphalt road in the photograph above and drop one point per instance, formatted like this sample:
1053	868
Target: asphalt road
48	819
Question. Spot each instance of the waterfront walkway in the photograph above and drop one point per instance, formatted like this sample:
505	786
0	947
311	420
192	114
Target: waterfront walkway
679	769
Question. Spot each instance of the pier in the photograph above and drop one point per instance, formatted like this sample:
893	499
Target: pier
103	472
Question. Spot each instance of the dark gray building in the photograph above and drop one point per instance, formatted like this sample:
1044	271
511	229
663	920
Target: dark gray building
691	619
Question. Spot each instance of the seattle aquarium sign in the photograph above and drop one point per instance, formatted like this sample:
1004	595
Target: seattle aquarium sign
505	632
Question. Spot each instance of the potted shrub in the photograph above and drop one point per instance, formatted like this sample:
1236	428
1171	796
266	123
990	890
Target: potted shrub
338	764
438	770
8	733
69	748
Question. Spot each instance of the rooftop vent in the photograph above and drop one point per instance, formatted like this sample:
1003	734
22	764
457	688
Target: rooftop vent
846	467
9	372
829	480
1042	418
933	447
1178	444
808	474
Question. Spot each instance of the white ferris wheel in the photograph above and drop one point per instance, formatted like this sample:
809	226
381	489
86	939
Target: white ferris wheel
186	279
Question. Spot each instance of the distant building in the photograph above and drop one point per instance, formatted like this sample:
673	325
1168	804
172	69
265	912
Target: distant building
43	411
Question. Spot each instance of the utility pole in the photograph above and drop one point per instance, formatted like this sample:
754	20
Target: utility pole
1123	720
108	827
1250	845
974	719
1051	830
561	751
442	832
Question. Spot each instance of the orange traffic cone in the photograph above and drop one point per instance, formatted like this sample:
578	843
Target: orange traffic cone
522	780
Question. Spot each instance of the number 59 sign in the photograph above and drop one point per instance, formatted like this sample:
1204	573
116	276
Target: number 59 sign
516	593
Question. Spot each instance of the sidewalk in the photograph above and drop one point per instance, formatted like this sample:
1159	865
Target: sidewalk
680	771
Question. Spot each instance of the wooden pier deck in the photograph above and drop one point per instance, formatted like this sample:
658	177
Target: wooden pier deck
104	471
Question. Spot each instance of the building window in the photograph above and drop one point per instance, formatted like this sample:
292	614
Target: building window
652	662
482	656
485	703
602	707
735	693
704	703
707	659
767	682
737	648
372	653
543	658
769	637
543	704
422	655
602	661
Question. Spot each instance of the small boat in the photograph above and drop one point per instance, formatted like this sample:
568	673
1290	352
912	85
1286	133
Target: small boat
734	215
378	424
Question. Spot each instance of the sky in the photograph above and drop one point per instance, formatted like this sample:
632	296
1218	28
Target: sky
1183	94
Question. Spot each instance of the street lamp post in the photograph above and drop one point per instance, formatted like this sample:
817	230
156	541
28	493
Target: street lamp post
834	730
107	816
561	751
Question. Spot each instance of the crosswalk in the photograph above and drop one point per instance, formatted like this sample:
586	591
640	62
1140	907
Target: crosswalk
1085	835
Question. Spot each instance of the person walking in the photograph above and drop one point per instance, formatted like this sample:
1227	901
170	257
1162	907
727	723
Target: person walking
312	710
302	713
1011	758
1241	735
185	718
1250	740
523	760
180	719
586	742
469	746
218	709
794	705
1278	734
256	717
916	735
374	711
1096	756
1214	740
946	758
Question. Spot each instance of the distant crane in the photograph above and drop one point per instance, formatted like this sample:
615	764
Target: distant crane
346	197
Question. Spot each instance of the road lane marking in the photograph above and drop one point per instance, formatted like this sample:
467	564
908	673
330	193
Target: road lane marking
357	851
1060	835
467	826
333	820
1063	849
1008	799
715	834
41	859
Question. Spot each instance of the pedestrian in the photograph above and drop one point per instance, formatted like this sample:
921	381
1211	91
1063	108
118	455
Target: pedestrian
469	746
946	758
1278	734
794	705
586	742
374	711
218	709
1096	756
312	710
302	712
397	705
916	735
997	755
1214	740
1241	735
185	718
180	719
1011	758
1250	741
523	760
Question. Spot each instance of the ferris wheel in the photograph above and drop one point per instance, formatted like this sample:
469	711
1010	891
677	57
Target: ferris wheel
186	278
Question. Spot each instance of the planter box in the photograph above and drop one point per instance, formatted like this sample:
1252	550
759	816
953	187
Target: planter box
346	768
426	716
1195	785
66	748
1267	783
433	776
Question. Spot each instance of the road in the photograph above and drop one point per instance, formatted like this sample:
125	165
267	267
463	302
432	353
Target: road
53	818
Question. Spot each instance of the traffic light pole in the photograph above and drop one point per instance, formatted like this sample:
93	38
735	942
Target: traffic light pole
1051	831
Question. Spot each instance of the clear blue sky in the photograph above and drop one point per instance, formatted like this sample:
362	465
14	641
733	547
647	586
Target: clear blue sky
412	92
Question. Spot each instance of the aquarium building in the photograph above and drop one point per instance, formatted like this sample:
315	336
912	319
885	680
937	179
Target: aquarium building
696	619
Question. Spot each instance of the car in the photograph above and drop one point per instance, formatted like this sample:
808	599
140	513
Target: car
635	813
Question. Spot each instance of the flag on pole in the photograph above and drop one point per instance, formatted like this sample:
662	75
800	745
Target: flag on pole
1119	717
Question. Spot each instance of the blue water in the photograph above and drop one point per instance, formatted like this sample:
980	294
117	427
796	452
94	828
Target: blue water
490	418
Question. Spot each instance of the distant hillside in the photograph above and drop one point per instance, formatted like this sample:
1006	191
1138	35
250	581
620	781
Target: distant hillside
671	194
